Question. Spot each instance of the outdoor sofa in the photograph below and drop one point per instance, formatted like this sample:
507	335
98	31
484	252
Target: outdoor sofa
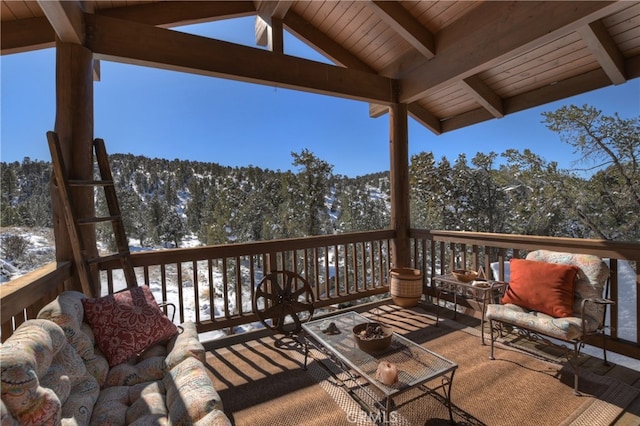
114	360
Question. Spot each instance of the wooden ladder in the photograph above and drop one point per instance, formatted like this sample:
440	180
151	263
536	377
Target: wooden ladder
73	223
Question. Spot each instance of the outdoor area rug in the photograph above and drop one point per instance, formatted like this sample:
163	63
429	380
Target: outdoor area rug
261	383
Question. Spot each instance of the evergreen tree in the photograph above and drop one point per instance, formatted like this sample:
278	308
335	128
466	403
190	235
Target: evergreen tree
610	204
314	178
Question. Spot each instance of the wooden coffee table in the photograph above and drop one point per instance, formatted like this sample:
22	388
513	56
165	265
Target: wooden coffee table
417	365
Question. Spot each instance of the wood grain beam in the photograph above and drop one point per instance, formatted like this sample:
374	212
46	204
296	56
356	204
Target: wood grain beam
175	13
323	44
408	27
564	89
134	43
425	117
376	110
602	46
24	35
486	37
66	18
483	95
268	26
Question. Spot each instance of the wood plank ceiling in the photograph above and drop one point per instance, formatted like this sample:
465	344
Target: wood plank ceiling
454	63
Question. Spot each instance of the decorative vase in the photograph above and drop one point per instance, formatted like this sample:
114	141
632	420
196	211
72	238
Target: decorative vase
406	286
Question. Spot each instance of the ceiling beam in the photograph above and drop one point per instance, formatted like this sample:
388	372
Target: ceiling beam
592	80
169	14
66	19
564	89
483	94
134	43
268	26
323	44
486	37
602	46
424	117
24	35
408	27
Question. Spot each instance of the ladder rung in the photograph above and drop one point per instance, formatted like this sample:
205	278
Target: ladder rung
90	182
108	258
90	220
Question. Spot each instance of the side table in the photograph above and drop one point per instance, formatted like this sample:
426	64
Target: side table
479	293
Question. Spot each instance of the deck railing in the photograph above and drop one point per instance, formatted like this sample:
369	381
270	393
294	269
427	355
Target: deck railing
437	252
214	285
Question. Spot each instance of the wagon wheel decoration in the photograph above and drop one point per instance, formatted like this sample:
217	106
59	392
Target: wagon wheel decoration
283	294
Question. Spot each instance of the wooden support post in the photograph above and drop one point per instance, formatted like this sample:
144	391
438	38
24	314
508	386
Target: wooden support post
74	126
399	154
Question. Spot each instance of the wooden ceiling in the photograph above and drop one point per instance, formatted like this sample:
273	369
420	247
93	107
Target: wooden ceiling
455	63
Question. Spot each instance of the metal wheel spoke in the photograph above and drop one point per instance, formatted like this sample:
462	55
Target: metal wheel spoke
266	295
300	307
275	286
273	311
289	285
300	291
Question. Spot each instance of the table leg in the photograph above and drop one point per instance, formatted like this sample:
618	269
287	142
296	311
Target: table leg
447	391
306	354
438	291
484	309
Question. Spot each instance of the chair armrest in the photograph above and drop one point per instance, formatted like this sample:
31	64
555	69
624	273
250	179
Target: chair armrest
166	304
598	301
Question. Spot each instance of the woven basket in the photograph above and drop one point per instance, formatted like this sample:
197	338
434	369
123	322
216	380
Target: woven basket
464	275
406	286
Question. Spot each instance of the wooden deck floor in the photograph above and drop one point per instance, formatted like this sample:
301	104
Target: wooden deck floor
630	416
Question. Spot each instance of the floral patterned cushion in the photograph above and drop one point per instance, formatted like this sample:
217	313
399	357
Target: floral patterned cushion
67	311
46	378
44	381
591	277
190	393
567	328
127	323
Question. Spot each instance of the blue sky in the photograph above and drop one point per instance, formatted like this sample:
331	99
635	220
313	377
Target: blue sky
166	114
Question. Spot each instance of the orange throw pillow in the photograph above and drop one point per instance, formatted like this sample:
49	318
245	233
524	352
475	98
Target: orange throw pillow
543	287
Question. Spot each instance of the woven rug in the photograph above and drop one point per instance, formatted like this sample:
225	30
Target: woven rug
262	382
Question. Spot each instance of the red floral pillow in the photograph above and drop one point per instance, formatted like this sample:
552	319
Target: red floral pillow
127	323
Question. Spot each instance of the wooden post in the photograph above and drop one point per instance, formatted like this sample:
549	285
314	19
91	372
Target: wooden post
74	126
399	154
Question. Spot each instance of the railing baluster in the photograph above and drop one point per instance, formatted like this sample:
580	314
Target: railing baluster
163	284
613	293
212	290
180	293
252	278
196	291
225	288
239	309
327	274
